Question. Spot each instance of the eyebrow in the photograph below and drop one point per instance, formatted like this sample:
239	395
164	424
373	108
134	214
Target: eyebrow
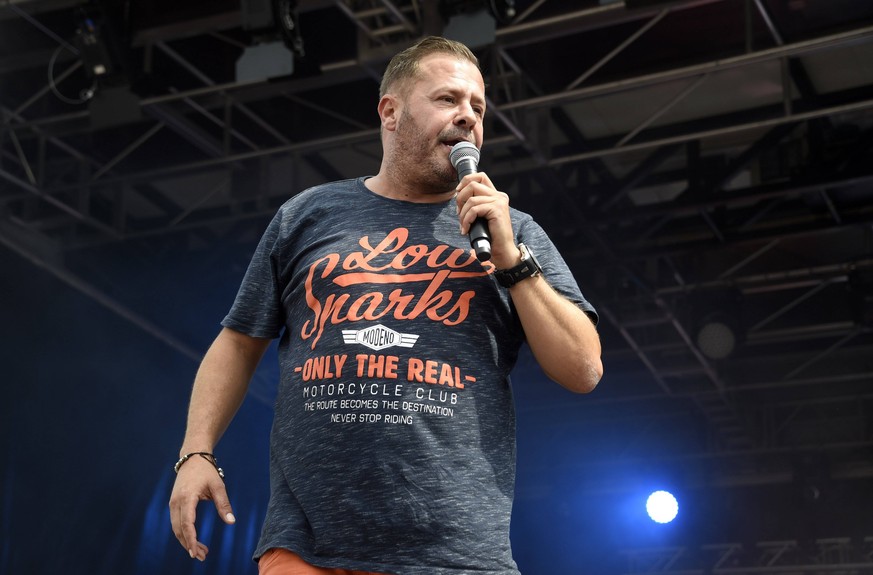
475	100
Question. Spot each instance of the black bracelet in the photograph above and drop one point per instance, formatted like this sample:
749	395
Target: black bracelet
205	455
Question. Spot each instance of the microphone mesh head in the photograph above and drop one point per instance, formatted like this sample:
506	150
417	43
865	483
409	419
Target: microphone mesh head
463	150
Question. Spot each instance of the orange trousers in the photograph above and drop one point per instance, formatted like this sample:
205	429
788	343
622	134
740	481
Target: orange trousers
284	562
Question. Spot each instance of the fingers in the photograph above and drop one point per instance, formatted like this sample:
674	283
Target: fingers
183	514
194	484
187	518
200	552
477	183
477	198
486	207
222	505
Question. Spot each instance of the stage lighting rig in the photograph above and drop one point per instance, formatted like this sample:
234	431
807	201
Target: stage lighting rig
92	45
98	44
471	21
275	29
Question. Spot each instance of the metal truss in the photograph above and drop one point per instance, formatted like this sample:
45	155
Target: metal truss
105	174
844	555
641	261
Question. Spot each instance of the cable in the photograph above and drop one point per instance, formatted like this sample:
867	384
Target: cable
84	95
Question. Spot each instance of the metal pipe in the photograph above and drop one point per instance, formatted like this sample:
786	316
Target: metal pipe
618	49
22	158
833	110
59	204
197	73
190	209
127	151
410	27
750	258
831	207
101	298
357	22
765	14
808	46
366	135
666	108
42	28
530	10
311	145
790	305
47	88
804	47
832	348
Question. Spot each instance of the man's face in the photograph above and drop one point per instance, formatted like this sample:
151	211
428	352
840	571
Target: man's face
442	107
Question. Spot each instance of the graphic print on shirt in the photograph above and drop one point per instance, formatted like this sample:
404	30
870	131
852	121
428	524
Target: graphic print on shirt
378	337
403	281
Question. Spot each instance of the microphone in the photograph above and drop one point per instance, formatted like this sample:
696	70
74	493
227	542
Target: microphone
465	158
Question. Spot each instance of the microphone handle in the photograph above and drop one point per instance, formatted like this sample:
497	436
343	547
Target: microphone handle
480	237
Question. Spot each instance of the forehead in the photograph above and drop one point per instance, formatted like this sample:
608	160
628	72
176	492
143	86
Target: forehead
444	69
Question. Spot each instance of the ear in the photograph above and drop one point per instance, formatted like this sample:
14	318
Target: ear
389	111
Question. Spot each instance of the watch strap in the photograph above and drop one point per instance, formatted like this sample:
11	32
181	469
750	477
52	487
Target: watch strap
529	267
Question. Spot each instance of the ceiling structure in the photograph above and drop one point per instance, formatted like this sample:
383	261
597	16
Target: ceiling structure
705	167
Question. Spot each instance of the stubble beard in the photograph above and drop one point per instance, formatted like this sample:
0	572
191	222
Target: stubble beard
417	160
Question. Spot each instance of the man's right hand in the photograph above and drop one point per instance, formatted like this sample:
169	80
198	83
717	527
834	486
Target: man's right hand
196	481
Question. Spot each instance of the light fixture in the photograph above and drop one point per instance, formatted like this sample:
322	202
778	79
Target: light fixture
469	22
716	320
275	28
716	338
92	47
662	507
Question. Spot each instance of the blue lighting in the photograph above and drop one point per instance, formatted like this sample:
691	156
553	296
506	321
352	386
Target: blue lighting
662	507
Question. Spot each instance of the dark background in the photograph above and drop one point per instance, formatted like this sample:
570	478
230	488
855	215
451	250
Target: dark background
694	161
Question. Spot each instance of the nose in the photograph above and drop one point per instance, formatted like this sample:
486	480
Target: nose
466	116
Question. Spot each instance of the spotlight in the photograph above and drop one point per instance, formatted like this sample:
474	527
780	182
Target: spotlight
716	321
469	22
264	61
101	39
662	507
716	338
92	47
275	25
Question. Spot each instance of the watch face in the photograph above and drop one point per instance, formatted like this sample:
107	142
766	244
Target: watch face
525	253
528	255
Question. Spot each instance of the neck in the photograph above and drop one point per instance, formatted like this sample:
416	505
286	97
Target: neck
389	185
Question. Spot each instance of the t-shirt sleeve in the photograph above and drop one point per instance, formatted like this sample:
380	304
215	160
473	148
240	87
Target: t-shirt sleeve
555	269
257	309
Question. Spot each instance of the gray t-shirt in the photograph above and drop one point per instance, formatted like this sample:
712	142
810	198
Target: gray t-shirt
393	443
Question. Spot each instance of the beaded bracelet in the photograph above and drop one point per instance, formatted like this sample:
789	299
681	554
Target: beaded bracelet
205	455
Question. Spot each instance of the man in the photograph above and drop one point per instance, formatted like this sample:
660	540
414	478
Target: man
392	449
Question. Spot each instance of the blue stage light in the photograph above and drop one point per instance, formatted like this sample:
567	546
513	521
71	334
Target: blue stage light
662	507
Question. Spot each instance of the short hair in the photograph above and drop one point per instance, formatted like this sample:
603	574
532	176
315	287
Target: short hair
404	66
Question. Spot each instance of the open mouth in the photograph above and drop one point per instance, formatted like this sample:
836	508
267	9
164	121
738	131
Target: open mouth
451	143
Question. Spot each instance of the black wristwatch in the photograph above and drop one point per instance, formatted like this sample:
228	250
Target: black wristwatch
529	267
